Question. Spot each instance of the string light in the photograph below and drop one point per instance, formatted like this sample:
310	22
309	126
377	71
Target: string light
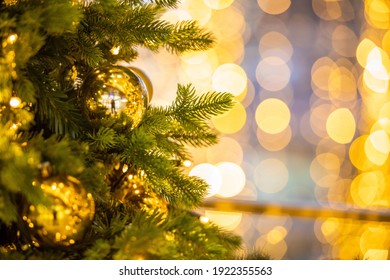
15	102
204	219
12	38
115	50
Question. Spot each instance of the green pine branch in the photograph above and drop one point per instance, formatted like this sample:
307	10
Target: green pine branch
57	112
143	239
158	237
103	139
186	120
187	36
85	50
160	3
162	173
189	106
198	138
202	241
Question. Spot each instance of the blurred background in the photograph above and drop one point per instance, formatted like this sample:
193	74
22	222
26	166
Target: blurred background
301	170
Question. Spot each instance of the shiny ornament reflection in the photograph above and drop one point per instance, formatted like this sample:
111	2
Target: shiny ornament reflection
117	90
66	216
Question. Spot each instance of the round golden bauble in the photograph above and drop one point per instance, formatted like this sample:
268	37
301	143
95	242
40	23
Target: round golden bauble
63	220
152	204
133	192
117	89
132	187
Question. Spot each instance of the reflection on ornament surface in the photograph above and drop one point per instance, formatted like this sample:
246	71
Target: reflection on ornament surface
64	219
131	189
134	193
118	90
114	100
145	79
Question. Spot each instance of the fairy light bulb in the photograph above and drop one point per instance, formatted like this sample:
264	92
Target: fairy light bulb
15	102
115	50
12	38
204	219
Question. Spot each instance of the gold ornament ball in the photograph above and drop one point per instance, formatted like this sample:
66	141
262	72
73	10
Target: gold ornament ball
117	89
66	216
132	188
152	204
132	192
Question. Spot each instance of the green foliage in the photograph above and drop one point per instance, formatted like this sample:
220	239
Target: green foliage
252	255
186	36
56	25
186	120
48	48
192	110
158	237
213	241
160	3
99	250
103	139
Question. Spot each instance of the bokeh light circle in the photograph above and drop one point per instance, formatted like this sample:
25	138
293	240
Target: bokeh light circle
271	175
272	116
341	126
275	44
273	73
230	78
274	142
217	153
226	220
274	7
233	179
231	121
358	155
210	174
366	187
324	169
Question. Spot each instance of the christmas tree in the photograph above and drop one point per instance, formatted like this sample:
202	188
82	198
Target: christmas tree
89	169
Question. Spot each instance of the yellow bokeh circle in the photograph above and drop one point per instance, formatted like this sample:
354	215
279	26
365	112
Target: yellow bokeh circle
275	44
210	174
271	175
358	155
273	73
233	179
230	78
272	116
231	121
366	187
341	126
274	7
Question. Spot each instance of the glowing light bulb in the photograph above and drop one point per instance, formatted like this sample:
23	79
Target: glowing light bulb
204	219
115	50
15	102
12	38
